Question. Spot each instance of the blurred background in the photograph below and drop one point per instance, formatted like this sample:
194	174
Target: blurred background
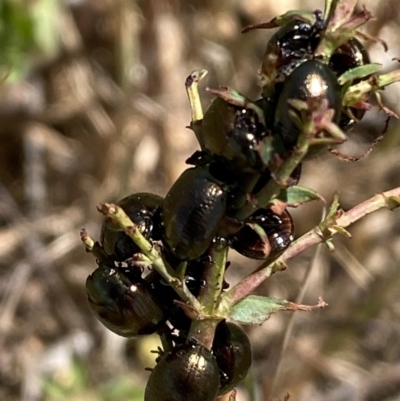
94	108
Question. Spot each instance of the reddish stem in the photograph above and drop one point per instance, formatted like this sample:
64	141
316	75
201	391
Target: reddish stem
389	199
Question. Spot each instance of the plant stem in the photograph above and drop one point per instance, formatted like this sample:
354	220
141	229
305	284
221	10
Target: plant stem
118	215
389	199
192	90
213	277
203	331
93	247
329	8
191	84
354	93
282	175
209	297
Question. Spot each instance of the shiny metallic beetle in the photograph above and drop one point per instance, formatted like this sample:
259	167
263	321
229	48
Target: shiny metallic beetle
192	211
311	81
232	350
142	209
188	372
350	55
123	302
278	229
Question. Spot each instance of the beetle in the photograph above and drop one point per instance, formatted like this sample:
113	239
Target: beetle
192	210
124	302
293	43
278	229
188	372
234	132
232	350
347	56
311	81
142	208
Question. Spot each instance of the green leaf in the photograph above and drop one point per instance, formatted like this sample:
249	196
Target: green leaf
329	243
235	98
269	147
328	226
343	11
333	208
217	121
295	195
284	19
256	309
340	230
359	72
289	16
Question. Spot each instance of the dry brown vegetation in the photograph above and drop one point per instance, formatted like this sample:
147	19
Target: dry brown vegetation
104	117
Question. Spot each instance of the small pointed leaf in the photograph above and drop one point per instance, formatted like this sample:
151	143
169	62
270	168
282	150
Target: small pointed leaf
295	195
359	72
306	16
340	230
333	208
330	245
267	149
256	309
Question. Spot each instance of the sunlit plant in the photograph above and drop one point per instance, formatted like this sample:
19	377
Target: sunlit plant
162	261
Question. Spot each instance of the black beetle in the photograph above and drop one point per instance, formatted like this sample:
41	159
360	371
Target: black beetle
293	43
123	301
188	372
347	56
142	208
310	81
191	212
232	350
234	133
278	228
287	48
